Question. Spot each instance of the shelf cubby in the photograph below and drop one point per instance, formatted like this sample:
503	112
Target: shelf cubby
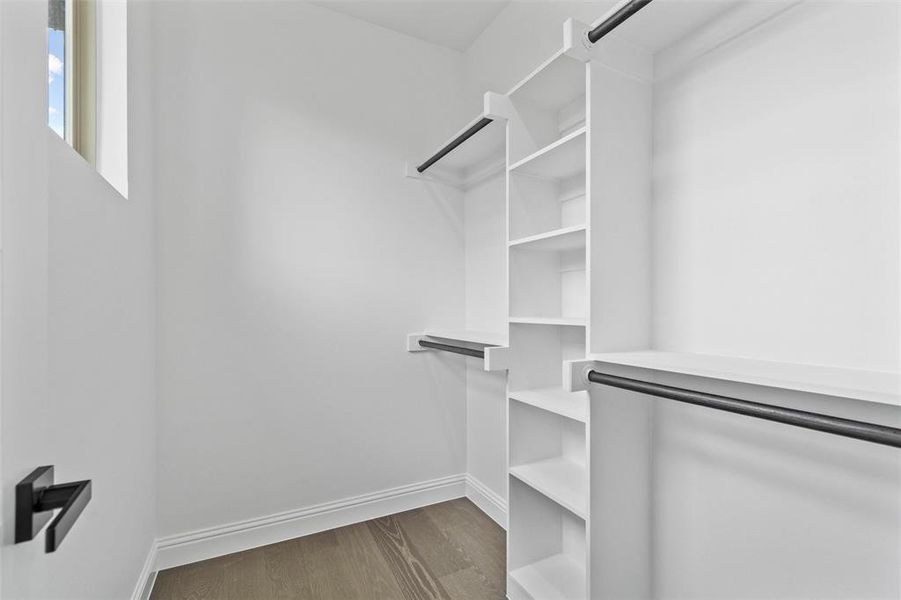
546	556
540	206
549	104
548	452
537	352
549	283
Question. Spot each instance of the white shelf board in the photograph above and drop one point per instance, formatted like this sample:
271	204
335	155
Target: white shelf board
565	321
558	577
567	238
872	386
488	338
563	481
558	160
572	405
485	147
554	84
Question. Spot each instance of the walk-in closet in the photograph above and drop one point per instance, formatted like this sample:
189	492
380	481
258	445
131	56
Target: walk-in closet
450	299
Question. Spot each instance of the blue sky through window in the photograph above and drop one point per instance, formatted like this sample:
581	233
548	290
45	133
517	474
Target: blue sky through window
56	55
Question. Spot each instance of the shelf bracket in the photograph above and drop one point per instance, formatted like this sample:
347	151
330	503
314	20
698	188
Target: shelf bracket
37	496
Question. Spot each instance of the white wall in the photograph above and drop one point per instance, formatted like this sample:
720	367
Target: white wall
485	211
78	336
776	193
294	258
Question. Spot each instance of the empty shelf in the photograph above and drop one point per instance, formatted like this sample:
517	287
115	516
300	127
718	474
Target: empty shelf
554	84
567	238
563	481
488	338
557	577
872	386
572	405
565	321
559	160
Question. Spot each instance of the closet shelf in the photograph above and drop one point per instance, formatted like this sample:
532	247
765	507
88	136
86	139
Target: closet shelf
559	577
554	84
493	345
567	238
883	387
572	405
564	321
488	338
563	481
476	159
559	160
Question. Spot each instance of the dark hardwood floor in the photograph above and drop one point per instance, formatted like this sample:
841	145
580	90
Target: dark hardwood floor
448	551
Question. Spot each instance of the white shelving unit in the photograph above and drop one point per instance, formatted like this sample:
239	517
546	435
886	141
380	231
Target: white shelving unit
548	228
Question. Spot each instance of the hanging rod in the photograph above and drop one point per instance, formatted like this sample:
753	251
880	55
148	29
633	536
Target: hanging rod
616	19
859	430
452	145
454	349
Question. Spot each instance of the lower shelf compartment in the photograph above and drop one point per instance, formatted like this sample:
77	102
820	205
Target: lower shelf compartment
555	577
561	480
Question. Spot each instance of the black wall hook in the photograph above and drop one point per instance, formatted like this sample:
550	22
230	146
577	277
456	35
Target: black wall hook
36	496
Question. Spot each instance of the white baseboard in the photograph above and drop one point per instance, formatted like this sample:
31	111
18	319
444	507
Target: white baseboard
147	577
182	549
488	502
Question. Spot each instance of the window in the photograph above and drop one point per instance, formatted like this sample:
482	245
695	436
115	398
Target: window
87	82
56	67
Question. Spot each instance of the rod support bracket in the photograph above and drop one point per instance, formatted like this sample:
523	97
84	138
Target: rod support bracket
575	40
497	106
575	374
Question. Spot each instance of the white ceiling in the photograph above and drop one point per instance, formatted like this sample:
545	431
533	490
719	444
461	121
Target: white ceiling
451	23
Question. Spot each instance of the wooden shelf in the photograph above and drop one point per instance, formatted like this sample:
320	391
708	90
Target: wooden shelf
488	338
572	405
871	386
567	238
559	160
563	481
564	321
557	577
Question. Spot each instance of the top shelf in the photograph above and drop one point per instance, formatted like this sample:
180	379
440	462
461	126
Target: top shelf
556	83
871	386
486	338
484	151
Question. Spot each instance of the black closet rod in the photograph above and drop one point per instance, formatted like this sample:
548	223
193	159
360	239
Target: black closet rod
479	125
859	430
454	349
616	19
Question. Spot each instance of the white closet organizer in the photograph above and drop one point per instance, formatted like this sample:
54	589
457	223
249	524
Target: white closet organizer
600	185
469	162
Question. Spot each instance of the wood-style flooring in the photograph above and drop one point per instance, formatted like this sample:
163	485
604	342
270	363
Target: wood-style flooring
447	551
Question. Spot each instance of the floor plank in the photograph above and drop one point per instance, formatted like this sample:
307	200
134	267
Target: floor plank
447	551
